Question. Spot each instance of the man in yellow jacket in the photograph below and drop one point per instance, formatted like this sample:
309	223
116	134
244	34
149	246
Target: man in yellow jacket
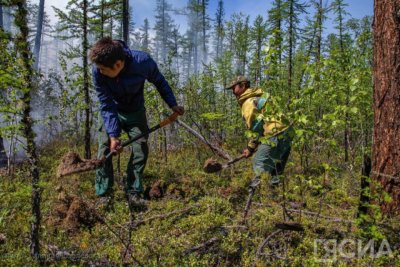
271	156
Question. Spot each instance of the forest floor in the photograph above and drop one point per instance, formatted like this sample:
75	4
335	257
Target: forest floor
196	219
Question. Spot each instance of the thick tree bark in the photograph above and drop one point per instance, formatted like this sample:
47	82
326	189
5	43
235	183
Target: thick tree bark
22	45
38	37
386	147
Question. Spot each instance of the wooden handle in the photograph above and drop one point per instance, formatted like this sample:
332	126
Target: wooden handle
169	119
235	160
165	122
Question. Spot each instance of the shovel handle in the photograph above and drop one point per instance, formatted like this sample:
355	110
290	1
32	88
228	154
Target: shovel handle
165	122
234	161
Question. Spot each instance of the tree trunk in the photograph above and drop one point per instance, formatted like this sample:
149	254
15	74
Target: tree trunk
365	187
1	16
204	28
102	18
291	47
386	147
38	37
125	21
86	80
3	155
343	57
22	45
219	28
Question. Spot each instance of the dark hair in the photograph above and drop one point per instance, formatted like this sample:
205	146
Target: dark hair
106	52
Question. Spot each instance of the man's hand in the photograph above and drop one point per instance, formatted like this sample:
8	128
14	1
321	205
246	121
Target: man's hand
247	153
178	109
115	145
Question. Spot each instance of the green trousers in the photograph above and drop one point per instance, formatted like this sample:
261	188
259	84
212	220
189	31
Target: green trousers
272	156
132	123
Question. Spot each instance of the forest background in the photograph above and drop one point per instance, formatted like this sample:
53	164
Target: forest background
315	58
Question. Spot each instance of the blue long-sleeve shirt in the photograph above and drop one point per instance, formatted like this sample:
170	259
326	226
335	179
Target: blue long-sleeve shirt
126	92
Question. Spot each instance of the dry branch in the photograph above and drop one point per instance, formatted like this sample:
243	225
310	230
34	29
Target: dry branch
202	246
263	244
219	151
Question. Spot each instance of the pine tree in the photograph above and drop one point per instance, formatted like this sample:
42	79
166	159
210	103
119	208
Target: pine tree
1	17
258	34
339	9
295	9
38	37
193	32
145	42
22	46
76	22
219	29
3	156
163	28
241	41
205	25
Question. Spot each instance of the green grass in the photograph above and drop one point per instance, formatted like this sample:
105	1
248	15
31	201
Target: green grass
206	207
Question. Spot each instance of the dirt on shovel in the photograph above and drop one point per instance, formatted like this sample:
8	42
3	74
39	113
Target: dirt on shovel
72	163
212	165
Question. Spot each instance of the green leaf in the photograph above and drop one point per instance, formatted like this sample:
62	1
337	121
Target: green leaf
303	119
212	116
354	110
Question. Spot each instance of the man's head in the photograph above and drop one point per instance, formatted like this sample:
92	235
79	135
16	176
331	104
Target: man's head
239	85
109	56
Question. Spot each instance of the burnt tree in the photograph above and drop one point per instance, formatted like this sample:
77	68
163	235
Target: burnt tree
386	147
22	47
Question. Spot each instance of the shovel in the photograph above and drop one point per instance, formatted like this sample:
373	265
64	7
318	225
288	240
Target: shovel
211	165
71	163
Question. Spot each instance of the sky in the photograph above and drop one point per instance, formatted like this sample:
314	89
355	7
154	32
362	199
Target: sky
142	9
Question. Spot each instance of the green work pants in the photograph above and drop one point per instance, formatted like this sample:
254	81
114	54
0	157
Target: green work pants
272	156
133	123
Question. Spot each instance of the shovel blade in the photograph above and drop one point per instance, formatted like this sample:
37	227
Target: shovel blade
71	163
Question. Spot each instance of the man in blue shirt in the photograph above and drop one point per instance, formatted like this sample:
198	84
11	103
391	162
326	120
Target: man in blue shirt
119	75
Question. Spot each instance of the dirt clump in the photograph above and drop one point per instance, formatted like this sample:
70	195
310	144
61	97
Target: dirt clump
59	209
72	213
175	193
79	214
3	239
211	165
156	190
72	163
225	191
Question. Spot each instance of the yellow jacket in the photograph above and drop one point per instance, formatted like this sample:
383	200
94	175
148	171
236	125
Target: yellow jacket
252	103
